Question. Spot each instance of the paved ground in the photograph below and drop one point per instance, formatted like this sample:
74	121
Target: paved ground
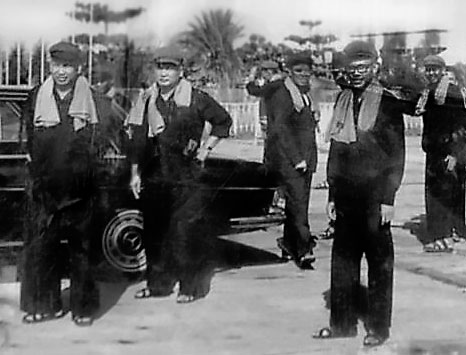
261	306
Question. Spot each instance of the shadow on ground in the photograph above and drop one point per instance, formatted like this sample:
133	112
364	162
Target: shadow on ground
417	226
230	254
233	254
432	347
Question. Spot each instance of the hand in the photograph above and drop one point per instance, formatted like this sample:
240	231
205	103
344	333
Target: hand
451	162
387	212
28	158
202	155
275	77
301	166
331	211
135	185
260	82
253	73
190	148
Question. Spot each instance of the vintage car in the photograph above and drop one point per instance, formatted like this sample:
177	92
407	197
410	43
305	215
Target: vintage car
244	195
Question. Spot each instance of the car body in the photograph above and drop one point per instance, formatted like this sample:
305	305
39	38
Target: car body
244	193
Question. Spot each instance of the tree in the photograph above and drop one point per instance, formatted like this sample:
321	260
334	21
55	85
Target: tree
318	41
102	13
258	49
211	38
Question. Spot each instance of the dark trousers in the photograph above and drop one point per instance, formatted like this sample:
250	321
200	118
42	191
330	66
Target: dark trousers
358	231
296	189
42	258
178	238
444	198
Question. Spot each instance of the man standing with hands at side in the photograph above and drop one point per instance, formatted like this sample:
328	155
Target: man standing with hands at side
364	170
292	154
63	117
442	106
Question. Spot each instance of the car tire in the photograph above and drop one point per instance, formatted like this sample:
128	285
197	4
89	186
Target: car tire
122	242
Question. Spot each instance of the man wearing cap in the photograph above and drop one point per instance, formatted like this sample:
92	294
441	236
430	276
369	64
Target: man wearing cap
443	140
62	117
364	170
167	158
292	154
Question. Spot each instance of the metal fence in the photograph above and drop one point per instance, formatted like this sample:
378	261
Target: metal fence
245	116
246	121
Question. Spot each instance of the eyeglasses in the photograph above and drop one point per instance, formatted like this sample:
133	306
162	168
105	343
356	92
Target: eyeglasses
433	69
362	68
166	66
302	71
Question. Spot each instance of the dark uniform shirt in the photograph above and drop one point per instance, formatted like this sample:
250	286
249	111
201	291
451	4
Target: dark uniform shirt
373	166
290	134
444	124
166	156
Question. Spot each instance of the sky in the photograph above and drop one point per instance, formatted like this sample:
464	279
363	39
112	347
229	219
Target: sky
28	20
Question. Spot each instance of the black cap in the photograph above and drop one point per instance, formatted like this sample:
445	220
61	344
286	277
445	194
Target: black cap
299	58
65	52
169	54
434	61
358	50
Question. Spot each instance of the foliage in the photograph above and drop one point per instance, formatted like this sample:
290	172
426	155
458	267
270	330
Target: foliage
210	41
258	49
314	41
102	13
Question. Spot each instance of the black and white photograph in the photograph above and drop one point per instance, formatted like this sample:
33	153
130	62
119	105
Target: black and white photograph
232	177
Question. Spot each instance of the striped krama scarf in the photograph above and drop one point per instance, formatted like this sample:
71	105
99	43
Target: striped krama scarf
182	97
82	107
342	127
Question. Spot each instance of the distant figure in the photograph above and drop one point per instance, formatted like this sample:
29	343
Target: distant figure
63	117
442	105
167	162
259	85
364	170
291	154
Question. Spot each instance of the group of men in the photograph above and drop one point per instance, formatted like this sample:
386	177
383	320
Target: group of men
66	121
68	125
364	171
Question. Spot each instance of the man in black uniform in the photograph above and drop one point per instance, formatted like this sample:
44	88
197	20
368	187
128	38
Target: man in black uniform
442	105
364	170
258	86
166	125
291	153
62	117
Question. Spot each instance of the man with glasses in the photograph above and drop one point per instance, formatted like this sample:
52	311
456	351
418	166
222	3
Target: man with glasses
443	140
364	170
166	125
292	154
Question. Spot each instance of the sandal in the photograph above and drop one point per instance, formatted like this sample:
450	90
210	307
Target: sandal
185	298
372	340
148	293
328	233
32	318
322	185
143	293
286	253
439	246
330	333
83	321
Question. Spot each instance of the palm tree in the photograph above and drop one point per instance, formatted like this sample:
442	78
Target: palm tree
102	13
211	37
